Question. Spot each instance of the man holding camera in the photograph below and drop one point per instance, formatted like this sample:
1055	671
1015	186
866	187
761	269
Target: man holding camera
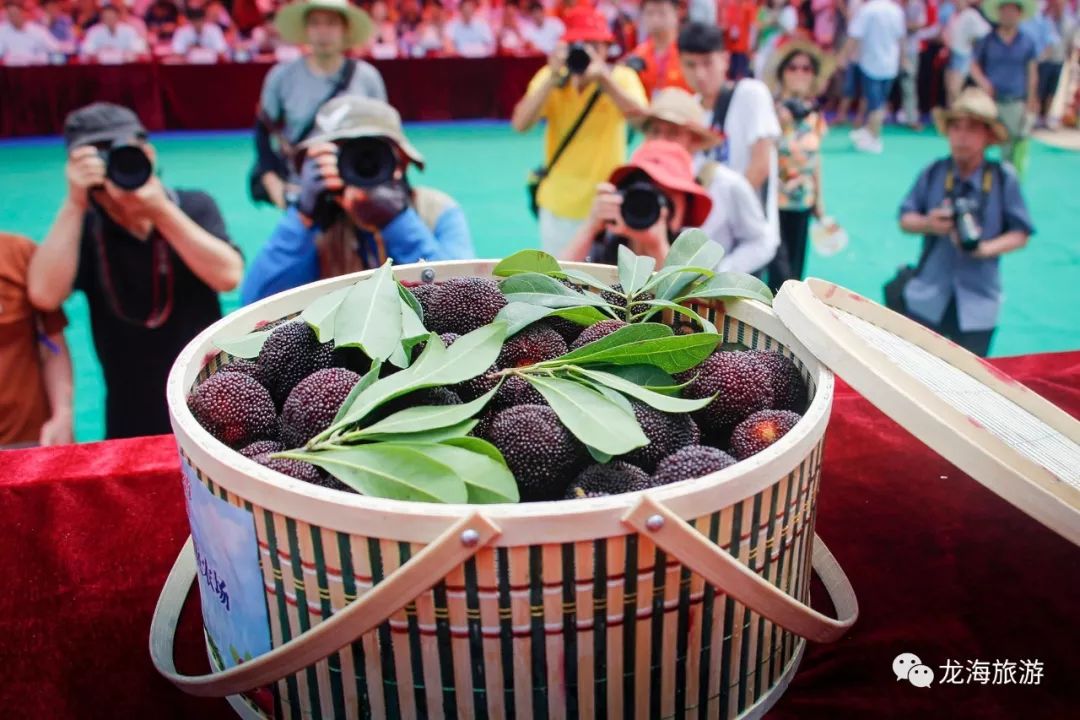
150	259
356	206
970	212
644	205
585	102
295	90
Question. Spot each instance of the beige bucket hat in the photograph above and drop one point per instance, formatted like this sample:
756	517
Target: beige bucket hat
291	20
675	105
972	103
825	63
355	116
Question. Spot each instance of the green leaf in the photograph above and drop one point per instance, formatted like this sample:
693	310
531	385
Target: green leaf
370	316
361	385
692	272
413	333
525	261
320	314
659	305
428	436
693	248
584	278
601	457
531	282
671	354
390	470
554	300
419	419
245	346
731	285
519	315
648	376
622	336
408	297
491	483
634	270
594	419
470	355
661	402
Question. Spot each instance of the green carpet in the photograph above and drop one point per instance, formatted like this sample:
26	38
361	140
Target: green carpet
483	165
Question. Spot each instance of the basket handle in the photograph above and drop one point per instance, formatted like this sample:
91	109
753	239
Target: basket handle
457	544
676	537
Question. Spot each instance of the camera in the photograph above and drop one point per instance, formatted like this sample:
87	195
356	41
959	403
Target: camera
799	108
578	59
367	162
967	227
641	204
128	167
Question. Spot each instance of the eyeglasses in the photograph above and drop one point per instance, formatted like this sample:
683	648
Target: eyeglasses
799	68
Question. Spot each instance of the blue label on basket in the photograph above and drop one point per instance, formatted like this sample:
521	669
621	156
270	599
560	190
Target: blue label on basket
229	578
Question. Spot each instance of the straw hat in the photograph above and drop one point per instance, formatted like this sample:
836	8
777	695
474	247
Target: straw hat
676	106
671	167
1027	8
825	63
972	103
1064	138
292	19
354	116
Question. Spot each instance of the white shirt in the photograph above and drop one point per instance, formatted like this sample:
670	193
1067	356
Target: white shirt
543	37
965	28
879	27
738	223
473	39
751	116
125	39
32	41
211	38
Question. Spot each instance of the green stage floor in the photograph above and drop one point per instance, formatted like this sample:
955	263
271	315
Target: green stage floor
484	165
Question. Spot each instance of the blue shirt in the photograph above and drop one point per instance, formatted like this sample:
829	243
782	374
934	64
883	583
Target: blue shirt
947	271
289	258
1006	64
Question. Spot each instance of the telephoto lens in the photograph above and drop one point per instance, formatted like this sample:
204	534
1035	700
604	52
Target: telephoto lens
367	162
578	59
128	167
641	205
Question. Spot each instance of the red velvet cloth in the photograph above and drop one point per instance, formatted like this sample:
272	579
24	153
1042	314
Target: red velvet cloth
34	100
942	567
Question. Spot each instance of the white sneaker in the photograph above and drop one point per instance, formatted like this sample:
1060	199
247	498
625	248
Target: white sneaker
856	135
870	144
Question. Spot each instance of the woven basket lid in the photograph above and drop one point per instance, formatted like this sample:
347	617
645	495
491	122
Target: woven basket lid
1005	436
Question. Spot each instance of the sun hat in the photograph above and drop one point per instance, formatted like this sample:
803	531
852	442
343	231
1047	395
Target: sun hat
670	166
291	20
1027	8
972	103
677	106
101	122
355	116
586	24
781	56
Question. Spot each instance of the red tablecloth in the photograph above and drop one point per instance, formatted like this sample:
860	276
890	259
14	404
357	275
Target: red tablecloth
34	100
943	568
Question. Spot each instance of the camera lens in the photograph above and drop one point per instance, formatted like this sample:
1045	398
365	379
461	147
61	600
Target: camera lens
367	162
128	167
641	205
578	59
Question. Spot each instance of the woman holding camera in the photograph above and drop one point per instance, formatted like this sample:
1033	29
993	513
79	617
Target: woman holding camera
644	205
356	207
798	76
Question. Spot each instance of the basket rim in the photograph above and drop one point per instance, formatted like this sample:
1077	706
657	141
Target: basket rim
522	523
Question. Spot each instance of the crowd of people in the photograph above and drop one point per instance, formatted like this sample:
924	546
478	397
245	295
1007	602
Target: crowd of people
731	113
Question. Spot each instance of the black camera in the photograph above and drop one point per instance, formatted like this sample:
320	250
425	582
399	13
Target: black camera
641	204
128	167
967	227
799	108
578	59
367	162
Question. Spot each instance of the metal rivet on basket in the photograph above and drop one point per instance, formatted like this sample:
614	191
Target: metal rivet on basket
427	275
470	537
654	522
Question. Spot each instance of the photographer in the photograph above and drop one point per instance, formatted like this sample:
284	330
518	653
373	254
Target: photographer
645	204
150	259
295	90
970	212
585	102
356	205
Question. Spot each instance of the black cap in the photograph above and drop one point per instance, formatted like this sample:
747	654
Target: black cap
101	122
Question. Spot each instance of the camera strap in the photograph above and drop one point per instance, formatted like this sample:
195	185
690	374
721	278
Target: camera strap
569	136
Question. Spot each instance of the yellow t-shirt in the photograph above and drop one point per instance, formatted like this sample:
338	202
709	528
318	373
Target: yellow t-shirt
598	147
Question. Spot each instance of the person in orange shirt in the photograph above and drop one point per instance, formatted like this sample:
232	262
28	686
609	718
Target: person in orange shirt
35	393
657	59
738	18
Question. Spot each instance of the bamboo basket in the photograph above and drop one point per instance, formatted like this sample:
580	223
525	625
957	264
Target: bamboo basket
689	600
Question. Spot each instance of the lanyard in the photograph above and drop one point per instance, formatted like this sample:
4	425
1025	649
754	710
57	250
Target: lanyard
987	184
